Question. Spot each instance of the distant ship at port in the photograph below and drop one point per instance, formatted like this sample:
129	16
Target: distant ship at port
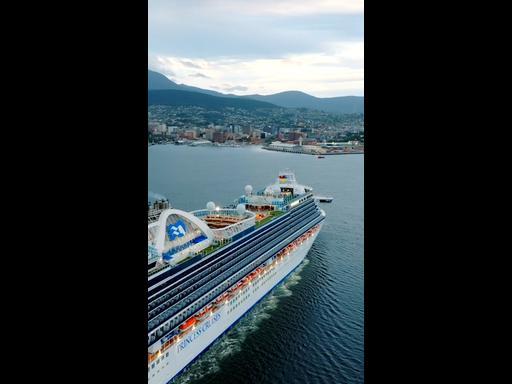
324	199
208	267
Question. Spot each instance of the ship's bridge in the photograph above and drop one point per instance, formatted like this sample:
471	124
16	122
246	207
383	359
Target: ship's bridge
278	196
286	185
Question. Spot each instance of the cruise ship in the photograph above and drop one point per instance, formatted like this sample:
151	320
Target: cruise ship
207	268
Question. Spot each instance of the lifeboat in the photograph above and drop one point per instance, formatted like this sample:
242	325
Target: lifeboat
235	291
203	314
188	323
168	343
218	305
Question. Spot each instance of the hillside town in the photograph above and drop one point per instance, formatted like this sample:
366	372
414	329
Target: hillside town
276	129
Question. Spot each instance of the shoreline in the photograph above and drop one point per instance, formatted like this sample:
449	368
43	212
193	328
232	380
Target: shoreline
314	154
259	146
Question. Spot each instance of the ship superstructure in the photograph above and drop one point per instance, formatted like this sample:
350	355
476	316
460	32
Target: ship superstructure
208	267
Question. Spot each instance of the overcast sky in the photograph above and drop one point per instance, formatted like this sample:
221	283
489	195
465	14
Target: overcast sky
260	46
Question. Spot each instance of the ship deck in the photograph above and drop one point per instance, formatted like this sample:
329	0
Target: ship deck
262	218
220	221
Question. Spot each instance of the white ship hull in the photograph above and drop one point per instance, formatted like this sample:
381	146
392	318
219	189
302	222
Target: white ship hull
176	358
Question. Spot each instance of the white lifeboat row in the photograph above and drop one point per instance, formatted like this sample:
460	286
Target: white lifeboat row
297	242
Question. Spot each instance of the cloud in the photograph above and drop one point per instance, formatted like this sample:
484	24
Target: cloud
337	71
294	7
234	88
261	47
190	64
199	75
287	8
222	29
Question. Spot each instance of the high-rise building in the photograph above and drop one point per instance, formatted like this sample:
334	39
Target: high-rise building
218	137
208	134
190	135
293	136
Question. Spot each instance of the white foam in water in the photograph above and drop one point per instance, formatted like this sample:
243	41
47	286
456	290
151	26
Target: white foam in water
232	341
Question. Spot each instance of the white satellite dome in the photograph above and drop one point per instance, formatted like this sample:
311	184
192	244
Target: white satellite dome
210	206
240	208
248	190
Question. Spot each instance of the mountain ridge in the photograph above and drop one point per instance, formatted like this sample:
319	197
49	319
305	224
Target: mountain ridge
177	97
286	99
157	81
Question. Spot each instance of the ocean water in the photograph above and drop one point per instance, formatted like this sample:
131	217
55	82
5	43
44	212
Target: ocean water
310	328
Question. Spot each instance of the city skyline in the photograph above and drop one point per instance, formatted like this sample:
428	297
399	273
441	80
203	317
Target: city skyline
265	47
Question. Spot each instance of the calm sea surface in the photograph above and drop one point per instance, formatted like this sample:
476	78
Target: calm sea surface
310	328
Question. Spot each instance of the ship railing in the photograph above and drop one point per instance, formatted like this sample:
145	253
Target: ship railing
281	236
192	308
222	212
242	246
207	286
158	269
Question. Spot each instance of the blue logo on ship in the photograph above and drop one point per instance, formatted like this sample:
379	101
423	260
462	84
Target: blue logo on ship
179	229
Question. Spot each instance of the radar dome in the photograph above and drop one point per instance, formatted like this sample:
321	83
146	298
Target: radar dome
248	190
240	208
210	206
